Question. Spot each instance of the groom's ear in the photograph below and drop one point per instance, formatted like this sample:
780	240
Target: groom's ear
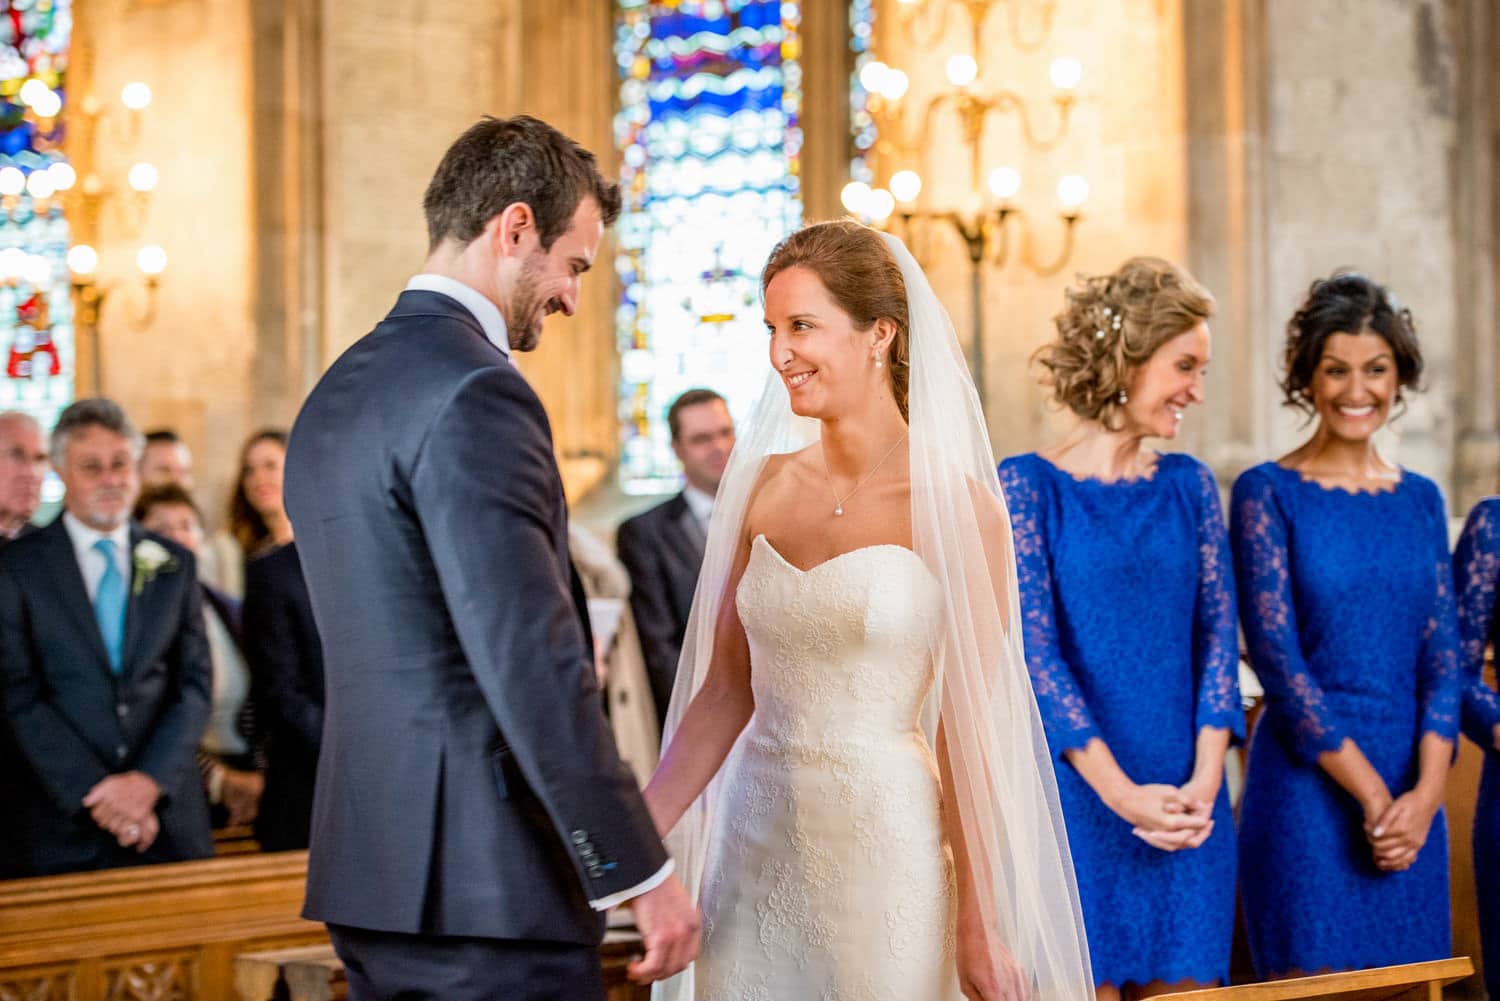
513	231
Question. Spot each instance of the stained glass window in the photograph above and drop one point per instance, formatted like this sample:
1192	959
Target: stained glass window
708	130
861	122
36	308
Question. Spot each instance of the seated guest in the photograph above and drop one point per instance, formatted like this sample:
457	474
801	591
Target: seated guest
166	459
286	661
104	669
227	755
23	466
663	548
1346	598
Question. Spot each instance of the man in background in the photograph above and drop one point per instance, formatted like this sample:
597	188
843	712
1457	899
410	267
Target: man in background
23	466
663	548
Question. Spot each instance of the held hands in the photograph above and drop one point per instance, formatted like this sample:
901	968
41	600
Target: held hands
986	969
1165	817
1399	830
125	806
669	926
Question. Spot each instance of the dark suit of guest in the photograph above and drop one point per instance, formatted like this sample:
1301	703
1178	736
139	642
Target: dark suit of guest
76	721
10	758
286	663
663	550
472	815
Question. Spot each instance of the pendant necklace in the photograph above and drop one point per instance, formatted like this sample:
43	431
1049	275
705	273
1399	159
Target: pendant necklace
838	502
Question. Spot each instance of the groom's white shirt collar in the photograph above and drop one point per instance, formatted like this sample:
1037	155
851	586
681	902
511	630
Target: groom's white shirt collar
485	311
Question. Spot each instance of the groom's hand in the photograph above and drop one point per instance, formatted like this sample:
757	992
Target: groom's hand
669	926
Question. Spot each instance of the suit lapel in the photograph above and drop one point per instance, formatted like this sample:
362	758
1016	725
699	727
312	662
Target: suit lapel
67	581
684	534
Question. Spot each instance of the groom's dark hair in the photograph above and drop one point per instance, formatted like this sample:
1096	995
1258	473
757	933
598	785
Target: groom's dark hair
501	161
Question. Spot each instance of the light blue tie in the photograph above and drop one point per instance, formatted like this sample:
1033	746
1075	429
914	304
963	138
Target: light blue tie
109	605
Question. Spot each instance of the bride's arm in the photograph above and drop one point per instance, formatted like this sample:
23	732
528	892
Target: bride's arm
714	718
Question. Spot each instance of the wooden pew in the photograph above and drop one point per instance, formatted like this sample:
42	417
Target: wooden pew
179	933
1412	982
314	973
166	931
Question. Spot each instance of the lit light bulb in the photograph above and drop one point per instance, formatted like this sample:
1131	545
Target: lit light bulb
895	85
63	175
881	204
47	104
1065	72
136	96
31	90
151	259
856	197
143	177
82	259
39	184
961	70
906	185
872	76
1005	182
12	181
1072	192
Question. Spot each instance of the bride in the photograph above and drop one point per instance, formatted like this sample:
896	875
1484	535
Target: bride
856	784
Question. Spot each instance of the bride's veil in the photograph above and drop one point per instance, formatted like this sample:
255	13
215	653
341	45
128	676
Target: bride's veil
997	753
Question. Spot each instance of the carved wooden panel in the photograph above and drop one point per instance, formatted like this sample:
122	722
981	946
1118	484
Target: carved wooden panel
41	984
163	977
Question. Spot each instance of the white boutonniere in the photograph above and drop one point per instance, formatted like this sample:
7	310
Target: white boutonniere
150	558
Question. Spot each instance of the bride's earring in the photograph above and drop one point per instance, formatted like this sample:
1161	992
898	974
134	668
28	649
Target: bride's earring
878	362
1123	398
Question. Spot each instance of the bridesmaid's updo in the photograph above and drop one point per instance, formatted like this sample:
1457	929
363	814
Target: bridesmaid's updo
1346	302
857	268
1111	325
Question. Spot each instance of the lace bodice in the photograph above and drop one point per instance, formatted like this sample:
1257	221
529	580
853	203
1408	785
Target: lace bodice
841	647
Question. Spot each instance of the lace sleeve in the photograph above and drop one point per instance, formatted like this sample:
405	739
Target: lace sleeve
1065	715
1439	688
1215	631
1263	570
1476	570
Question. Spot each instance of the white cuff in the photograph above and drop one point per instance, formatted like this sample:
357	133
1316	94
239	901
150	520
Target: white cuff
616	899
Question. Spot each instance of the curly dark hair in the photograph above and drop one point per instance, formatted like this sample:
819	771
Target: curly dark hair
1111	325
1346	302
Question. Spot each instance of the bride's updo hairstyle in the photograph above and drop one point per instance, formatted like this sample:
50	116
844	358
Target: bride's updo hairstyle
1111	325
857	268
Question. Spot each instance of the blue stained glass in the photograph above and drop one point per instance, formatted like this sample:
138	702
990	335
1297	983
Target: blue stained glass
708	129
36	301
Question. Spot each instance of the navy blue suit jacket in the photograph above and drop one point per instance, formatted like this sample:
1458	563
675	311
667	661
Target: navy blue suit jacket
468	783
73	723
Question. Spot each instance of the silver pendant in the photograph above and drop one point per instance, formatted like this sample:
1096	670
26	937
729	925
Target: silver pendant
838	510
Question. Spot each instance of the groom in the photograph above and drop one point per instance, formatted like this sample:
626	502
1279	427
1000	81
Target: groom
472	820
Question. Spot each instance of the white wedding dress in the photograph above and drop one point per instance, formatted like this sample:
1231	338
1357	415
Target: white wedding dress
828	877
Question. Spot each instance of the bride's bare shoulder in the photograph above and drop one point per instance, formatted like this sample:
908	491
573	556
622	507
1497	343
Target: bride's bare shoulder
778	483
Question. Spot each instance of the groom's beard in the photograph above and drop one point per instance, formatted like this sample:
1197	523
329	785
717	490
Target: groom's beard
527	311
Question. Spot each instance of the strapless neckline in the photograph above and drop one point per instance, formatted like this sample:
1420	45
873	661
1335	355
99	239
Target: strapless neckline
761	538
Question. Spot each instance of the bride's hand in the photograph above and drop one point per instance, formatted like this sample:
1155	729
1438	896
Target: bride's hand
986	969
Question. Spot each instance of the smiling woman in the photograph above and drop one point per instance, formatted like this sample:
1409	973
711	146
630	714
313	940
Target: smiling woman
1361	682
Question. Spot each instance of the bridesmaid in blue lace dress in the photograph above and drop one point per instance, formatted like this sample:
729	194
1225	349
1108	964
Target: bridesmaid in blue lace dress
1128	608
1476	570
1346	597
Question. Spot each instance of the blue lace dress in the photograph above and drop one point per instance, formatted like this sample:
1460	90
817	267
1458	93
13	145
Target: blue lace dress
1128	607
1476	569
1347	604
